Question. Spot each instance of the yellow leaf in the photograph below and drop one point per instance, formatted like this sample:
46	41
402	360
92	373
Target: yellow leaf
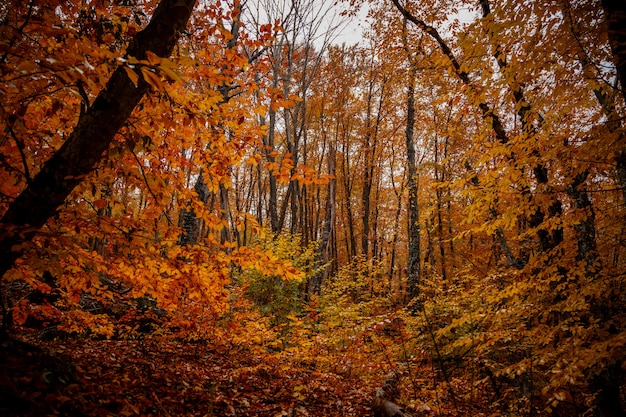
153	58
132	75
168	73
152	79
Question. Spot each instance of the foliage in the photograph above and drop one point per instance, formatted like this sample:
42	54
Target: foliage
276	295
248	223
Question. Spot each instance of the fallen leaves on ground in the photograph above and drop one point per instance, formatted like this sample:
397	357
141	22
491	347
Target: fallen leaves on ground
157	377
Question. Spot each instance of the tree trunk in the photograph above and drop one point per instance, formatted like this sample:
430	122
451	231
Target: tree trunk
268	142
368	163
347	186
396	231
414	226
324	255
609	381
226	235
439	177
615	18
585	229
413	256
91	137
191	225
547	240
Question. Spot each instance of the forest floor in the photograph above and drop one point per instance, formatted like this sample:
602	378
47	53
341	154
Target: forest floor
86	377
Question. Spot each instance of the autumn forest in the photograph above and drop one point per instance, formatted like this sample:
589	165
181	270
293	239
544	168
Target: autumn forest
221	208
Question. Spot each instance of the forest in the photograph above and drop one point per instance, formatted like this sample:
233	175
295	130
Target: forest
220	208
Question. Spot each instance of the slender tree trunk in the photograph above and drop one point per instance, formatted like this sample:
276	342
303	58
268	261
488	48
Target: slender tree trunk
347	186
296	210
260	197
324	255
192	226
268	141
439	177
396	233
226	235
365	200
413	236
367	172
351	232
376	247
187	219
413	278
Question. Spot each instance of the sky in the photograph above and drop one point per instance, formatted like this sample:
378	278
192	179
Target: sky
352	33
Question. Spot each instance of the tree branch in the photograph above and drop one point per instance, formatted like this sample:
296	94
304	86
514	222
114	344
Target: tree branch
488	114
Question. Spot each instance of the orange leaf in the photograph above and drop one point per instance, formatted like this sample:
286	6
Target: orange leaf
100	204
152	79
153	58
132	75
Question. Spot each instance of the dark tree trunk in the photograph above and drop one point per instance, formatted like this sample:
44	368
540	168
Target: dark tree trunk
615	18
585	229
414	226
347	185
191	225
226	235
324	252
268	141
367	174
609	381
394	242
608	400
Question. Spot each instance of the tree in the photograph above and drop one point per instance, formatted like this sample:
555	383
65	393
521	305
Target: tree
495	136
295	58
113	245
614	16
76	158
530	220
191	225
413	270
